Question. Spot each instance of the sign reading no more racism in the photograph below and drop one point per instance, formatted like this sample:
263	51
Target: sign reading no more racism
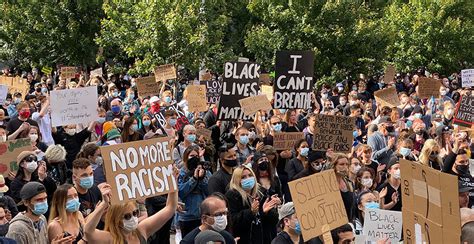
293	79
74	106
138	170
240	81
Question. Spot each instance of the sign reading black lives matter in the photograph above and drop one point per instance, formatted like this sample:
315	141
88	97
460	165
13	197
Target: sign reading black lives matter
465	112
293	79
240	81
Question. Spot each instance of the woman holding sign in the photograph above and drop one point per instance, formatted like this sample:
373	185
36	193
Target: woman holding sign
121	220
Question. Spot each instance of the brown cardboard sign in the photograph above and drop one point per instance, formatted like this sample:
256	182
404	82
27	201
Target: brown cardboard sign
286	140
165	72
268	91
9	151
205	75
138	170
68	72
318	203
265	79
253	104
19	85
147	86
387	97
196	97
204	132
97	73
389	74
428	87
335	132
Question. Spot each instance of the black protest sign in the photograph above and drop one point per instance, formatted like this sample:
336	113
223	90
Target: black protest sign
213	90
465	112
181	119
293	79
241	80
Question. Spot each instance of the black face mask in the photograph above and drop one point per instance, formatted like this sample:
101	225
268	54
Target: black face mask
230	163
420	132
390	128
4	229
462	169
193	163
263	166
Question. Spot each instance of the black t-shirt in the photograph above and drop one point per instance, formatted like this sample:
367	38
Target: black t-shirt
89	200
388	197
15	123
189	238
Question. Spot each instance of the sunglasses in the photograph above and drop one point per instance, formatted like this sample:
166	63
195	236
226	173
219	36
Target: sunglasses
128	216
31	158
275	123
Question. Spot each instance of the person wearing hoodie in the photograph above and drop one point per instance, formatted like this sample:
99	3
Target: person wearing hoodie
55	158
31	226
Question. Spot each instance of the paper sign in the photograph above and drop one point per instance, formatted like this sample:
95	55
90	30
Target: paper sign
68	72
293	79
204	75
318	203
387	97
147	86
47	70
74	106
265	79
389	74
335	132
9	151
196	97
97	73
380	224
165	72
3	93
252	105
138	170
428	87
181	121
240	81
268	91
213	91
204	132
465	111
286	140
467	78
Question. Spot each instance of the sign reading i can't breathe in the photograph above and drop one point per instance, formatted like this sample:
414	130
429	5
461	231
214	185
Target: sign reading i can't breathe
138	170
240	81
293	79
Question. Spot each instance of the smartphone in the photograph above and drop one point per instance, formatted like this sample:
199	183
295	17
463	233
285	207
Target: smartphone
66	234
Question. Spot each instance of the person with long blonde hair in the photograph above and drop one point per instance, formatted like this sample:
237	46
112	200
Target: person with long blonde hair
429	155
65	217
121	220
340	165
251	210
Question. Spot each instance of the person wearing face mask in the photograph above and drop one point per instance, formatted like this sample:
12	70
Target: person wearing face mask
36	141
147	125
65	216
382	141
243	149
214	214
43	119
420	135
12	108
166	99
404	150
314	164
171	118
390	191
189	134
154	105
121	220
289	224
444	95
92	152
365	180
457	163
430	155
3	134
340	165
130	131
253	211
98	128
115	110
219	181
448	113
365	200
354	168
266	177
14	126
30	226
296	164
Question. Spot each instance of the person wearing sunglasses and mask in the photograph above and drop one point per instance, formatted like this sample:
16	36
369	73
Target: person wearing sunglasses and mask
315	164
214	214
382	141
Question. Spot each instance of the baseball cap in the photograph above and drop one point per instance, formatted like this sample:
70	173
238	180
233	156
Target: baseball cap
31	189
286	210
154	99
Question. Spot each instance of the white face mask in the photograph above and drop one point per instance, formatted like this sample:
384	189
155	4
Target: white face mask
131	224
252	135
366	182
396	174
3	138
70	132
356	169
220	222
31	166
33	137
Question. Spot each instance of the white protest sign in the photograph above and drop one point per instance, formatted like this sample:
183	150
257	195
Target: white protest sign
467	78
74	106
380	224
97	72
3	93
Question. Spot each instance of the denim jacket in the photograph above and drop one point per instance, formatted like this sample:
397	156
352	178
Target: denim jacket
192	192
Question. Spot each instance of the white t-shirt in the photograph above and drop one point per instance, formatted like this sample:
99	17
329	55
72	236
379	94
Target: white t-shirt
44	124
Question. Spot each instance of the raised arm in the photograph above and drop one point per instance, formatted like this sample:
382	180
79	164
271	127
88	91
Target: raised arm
91	233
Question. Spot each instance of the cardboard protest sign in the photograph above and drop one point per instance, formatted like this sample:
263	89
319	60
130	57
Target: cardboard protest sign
165	72
293	79
380	224
138	170
265	79
147	86
74	106
286	140
268	91
97	73
203	132
252	105
196	97
204	75
181	121
430	204
213	90
428	87
318	203
467	78
9	150
387	97
389	74
240	81
17	84
464	115
3	93
335	132
68	72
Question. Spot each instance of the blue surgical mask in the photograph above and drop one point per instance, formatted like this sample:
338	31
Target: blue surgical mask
248	184
417	116
244	140
87	182
168	99
40	208
191	138
298	228
135	127
146	122
372	205
115	94
72	205
304	151
44	90
173	122
115	109
438	124
282	111
101	120
277	127
405	151
409	123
